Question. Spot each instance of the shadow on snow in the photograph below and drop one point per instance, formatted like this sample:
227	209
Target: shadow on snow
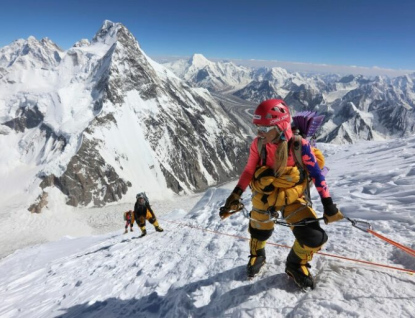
178	302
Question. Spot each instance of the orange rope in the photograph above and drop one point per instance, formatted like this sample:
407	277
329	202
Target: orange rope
402	247
286	246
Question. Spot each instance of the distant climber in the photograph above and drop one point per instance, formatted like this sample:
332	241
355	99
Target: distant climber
129	220
143	212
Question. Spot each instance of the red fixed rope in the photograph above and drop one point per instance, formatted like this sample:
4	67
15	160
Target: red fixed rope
402	247
409	271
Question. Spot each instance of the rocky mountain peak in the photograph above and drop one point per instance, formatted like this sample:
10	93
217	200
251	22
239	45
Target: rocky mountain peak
404	81
111	32
30	53
82	43
347	79
278	71
199	61
107	33
198	71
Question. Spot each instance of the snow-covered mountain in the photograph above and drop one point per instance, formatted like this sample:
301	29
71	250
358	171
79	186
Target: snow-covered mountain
197	266
258	91
29	54
215	76
102	121
376	109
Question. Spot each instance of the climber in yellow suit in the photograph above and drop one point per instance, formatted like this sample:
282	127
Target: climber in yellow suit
143	212
278	184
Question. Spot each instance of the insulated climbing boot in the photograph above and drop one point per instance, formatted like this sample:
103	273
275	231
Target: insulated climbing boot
157	226
126	231
143	233
297	266
254	265
301	275
257	257
131	230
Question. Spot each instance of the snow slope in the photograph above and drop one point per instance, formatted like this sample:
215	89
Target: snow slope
196	268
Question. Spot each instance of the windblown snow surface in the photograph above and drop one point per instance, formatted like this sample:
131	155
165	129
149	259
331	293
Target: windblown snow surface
196	267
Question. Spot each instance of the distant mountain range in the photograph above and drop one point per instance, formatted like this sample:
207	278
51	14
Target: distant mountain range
355	107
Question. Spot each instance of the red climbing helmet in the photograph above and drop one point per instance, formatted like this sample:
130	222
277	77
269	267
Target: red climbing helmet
274	112
271	112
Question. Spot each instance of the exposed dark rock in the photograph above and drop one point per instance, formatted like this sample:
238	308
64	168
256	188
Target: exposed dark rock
27	118
40	203
88	178
304	98
201	75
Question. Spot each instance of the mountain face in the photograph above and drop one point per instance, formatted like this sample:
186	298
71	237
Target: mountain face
30	53
380	109
102	121
302	98
257	91
351	125
355	107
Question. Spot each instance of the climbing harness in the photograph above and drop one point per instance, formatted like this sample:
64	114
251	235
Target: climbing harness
274	216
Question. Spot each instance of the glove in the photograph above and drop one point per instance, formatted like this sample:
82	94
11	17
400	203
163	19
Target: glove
232	203
233	199
331	212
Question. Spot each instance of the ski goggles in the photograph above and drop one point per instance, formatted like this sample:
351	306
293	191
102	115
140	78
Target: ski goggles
266	129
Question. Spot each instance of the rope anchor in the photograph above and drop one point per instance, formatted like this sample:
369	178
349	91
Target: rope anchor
361	225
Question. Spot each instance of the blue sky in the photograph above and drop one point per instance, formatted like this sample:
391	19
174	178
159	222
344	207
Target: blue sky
339	32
